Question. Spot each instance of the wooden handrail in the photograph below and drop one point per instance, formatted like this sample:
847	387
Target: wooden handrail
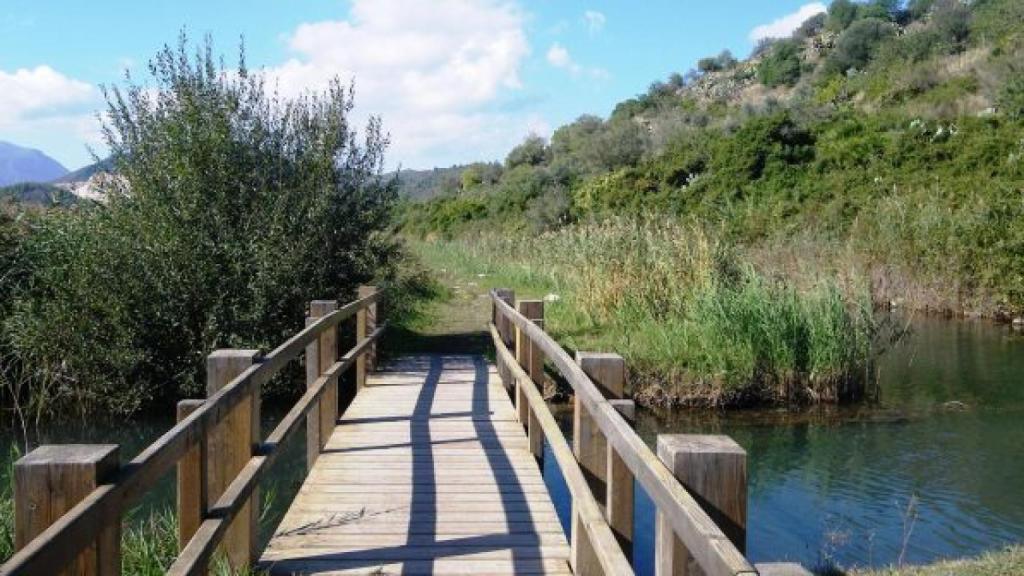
706	542
60	543
606	548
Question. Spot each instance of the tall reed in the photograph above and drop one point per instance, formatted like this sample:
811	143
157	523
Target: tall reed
697	323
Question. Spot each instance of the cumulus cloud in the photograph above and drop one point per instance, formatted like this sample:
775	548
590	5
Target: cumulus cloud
434	71
786	25
559	57
43	108
595	21
38	92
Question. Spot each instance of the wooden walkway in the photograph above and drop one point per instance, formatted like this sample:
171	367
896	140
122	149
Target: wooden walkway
427	472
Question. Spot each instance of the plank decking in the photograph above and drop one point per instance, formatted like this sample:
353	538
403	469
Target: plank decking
427	472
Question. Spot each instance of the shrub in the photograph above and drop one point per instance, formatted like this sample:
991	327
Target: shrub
781	67
532	152
858	44
841	13
952	19
1011	96
724	61
231	210
811	27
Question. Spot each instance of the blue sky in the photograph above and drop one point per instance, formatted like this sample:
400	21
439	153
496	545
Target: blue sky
454	80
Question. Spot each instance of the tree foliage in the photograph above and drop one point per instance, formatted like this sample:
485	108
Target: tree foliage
781	67
232	209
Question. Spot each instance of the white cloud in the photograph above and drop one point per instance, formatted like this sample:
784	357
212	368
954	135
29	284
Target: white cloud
434	72
786	25
42	108
559	57
595	21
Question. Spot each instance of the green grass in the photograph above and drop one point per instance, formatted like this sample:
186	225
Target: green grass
1007	562
696	323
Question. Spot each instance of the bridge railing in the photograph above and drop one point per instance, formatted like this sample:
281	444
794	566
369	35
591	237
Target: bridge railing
70	499
607	455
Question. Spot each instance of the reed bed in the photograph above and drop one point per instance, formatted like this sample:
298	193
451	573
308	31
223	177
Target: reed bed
697	323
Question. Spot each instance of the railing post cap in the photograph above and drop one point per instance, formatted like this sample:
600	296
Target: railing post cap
221	353
672	444
625	407
367	289
597	356
68	454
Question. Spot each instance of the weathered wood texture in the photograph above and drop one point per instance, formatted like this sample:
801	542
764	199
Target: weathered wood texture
427	472
229	447
319	355
52	550
593	547
714	470
366	323
705	540
192	496
48	482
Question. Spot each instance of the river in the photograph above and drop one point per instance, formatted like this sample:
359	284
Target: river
934	469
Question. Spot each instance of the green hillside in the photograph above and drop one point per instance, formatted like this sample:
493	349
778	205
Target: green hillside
890	136
730	230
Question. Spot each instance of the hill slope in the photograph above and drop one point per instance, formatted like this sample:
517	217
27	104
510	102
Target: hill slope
19	164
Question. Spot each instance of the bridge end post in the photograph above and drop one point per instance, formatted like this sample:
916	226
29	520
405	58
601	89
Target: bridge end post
713	469
191	481
366	323
229	447
51	480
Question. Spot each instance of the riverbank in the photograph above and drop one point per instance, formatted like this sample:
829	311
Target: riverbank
697	323
1007	562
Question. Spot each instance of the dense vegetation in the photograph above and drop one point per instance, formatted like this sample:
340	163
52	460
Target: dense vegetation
879	150
231	210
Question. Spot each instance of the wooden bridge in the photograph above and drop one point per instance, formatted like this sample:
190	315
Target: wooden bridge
431	468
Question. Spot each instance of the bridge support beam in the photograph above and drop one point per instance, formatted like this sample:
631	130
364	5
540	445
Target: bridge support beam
714	470
229	447
619	493
366	323
531	359
51	480
320	354
608	372
192	480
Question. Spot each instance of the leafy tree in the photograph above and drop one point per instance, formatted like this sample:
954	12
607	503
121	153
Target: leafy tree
841	13
781	67
231	209
532	152
882	9
858	44
471	177
952	19
811	27
723	61
1011	97
918	9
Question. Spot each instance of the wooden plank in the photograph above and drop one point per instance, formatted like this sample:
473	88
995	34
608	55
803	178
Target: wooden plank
400	480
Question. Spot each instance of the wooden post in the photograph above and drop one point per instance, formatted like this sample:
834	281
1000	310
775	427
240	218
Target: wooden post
229	447
192	502
714	470
532	310
51	480
619	493
582	557
608	372
325	346
366	323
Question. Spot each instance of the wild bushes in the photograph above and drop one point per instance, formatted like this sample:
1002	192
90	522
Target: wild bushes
232	208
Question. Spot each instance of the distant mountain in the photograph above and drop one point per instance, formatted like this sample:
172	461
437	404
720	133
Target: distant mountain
19	164
86	172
